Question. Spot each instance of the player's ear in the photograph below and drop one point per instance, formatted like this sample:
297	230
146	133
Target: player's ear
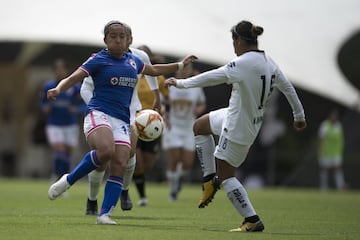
105	40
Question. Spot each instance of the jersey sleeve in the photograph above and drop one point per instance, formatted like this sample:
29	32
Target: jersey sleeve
206	79
152	81
87	89
140	65
163	90
91	65
284	85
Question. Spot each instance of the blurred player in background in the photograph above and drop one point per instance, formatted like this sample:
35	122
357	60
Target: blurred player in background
178	138
252	75
331	148
62	127
146	152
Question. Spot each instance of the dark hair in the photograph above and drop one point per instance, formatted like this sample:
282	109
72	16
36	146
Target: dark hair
109	24
58	62
146	49
246	31
127	29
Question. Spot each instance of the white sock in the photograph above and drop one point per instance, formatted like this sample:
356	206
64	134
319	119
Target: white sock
95	179
129	172
205	147
238	197
173	180
339	179
323	179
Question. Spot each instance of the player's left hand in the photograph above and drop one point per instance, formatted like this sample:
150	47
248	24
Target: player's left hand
189	59
52	93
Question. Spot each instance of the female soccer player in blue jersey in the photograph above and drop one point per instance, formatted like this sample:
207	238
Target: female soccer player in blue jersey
106	125
62	127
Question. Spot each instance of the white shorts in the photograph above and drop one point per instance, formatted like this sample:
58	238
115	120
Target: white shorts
68	135
231	152
178	138
216	120
330	162
120	129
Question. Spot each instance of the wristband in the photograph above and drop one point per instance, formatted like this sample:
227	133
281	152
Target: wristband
180	65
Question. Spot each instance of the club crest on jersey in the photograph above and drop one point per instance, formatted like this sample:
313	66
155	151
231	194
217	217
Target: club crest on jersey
132	63
114	81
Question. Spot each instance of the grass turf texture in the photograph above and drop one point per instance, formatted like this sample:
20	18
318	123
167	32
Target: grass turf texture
26	213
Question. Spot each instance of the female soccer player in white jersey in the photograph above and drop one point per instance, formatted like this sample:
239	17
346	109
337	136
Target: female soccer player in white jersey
95	177
178	138
106	124
253	75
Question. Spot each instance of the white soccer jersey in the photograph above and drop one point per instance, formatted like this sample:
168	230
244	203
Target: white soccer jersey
87	86
182	117
253	76
183	103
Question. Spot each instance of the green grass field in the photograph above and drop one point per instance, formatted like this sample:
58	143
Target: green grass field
26	213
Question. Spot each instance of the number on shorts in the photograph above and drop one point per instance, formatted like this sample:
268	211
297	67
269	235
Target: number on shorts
223	142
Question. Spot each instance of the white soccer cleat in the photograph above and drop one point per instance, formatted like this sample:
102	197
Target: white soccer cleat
143	202
58	187
105	220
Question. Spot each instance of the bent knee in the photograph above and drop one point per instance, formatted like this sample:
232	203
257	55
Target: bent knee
105	153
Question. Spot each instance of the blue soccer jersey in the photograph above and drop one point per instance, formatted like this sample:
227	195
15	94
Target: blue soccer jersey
114	82
64	110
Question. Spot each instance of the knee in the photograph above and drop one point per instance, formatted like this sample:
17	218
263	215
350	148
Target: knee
197	128
105	153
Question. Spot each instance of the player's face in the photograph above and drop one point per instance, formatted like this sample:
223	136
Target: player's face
60	70
116	40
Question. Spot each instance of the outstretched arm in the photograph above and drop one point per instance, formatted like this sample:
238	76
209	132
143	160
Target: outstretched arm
163	69
289	91
66	83
209	78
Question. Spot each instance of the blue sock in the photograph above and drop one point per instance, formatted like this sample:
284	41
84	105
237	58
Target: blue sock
112	192
87	164
65	165
60	163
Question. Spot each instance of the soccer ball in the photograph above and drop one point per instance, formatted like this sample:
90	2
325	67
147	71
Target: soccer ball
149	125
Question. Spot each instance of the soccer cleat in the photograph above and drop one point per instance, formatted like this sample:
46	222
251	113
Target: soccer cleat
105	220
91	207
209	189
143	202
126	203
250	227
173	197
58	187
65	194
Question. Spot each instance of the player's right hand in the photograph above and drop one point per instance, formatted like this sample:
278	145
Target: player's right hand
299	125
52	93
170	82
